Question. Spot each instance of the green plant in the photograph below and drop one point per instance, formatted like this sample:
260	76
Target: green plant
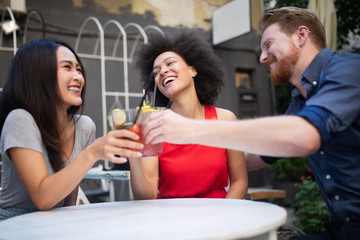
290	169
309	207
283	97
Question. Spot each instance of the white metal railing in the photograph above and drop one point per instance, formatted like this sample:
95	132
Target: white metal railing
14	48
41	19
125	59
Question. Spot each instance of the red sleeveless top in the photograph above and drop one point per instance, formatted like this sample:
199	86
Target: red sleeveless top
193	171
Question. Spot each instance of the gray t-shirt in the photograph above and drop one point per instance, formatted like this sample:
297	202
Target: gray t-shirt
20	130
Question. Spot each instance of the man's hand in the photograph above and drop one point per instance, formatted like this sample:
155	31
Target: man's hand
167	126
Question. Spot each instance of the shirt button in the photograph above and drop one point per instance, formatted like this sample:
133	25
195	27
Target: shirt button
322	153
328	177
337	197
347	219
314	83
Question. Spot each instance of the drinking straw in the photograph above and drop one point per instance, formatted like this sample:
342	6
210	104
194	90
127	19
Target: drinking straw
147	87
154	97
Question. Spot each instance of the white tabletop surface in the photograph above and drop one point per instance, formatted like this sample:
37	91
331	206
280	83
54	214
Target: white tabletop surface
149	219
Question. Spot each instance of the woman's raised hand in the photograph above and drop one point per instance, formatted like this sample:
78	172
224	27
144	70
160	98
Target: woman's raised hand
116	146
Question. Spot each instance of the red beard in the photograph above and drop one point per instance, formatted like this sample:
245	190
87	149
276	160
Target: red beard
283	70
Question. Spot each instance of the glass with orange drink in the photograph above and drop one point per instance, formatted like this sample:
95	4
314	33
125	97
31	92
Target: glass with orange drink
124	119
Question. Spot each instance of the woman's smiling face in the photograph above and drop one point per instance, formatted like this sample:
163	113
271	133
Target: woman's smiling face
172	74
70	77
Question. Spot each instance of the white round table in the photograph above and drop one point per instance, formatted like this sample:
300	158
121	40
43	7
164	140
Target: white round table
151	219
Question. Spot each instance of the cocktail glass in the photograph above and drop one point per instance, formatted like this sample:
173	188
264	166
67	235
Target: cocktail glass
125	119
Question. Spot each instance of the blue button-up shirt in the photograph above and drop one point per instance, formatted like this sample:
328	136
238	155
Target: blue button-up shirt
332	84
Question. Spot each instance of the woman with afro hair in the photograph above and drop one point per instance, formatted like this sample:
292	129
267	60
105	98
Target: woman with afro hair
188	77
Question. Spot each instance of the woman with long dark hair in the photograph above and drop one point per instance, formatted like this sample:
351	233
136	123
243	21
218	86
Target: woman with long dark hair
46	145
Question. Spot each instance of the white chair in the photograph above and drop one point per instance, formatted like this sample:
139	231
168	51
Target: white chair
81	198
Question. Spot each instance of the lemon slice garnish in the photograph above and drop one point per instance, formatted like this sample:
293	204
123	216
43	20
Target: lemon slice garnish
149	109
118	116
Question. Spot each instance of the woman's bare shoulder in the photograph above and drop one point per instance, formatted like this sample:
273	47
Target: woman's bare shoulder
224	114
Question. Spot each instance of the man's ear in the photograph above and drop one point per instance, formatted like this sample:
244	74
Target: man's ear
303	35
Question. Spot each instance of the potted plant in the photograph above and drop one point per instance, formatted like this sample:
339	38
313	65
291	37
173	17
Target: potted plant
309	207
287	172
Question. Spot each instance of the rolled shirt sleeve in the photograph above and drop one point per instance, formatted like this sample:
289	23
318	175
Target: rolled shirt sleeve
335	105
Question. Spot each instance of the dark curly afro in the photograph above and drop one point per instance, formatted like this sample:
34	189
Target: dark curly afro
196	53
